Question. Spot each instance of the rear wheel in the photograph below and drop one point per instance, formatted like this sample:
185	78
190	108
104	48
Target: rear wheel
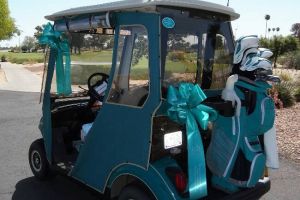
135	192
38	161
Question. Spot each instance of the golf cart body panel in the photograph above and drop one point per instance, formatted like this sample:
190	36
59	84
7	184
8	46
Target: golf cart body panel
154	178
45	125
127	135
120	119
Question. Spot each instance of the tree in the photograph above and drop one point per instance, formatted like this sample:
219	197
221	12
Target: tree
38	32
98	42
296	30
76	41
267	18
28	43
279	45
7	24
177	42
140	50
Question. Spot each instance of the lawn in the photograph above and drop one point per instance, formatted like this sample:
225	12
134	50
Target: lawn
31	58
93	56
23	58
100	56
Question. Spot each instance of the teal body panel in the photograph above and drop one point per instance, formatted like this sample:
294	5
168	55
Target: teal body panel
122	134
45	125
154	178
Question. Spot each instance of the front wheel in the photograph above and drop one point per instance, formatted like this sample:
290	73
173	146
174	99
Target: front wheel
135	192
38	161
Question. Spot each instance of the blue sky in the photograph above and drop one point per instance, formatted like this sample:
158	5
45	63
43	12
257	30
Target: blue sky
30	13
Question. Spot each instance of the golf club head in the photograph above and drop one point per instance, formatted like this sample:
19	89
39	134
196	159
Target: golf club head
274	79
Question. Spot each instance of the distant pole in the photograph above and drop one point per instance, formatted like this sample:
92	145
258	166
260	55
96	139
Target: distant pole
228	3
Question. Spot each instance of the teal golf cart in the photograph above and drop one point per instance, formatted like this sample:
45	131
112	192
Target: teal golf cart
133	105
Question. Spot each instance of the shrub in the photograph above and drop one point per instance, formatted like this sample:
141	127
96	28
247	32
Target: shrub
177	56
285	92
24	49
297	94
292	60
285	76
3	58
274	96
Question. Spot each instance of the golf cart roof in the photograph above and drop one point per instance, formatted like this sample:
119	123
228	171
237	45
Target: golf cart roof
144	6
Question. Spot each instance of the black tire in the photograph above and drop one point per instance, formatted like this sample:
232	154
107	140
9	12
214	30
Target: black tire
38	161
135	192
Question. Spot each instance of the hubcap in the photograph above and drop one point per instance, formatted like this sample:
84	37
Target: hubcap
36	161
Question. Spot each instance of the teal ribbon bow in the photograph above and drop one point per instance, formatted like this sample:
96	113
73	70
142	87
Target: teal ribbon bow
58	42
186	108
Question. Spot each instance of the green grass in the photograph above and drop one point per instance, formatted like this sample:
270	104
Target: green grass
93	56
31	58
24	58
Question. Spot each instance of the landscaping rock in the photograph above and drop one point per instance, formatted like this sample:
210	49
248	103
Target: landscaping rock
288	132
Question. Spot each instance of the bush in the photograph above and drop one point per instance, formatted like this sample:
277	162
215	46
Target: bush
297	94
177	56
3	58
285	92
274	95
285	77
24	49
292	60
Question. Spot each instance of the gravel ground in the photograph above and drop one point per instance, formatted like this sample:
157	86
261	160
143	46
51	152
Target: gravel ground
288	132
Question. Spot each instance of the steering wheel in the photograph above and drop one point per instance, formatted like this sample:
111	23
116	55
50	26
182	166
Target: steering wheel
94	81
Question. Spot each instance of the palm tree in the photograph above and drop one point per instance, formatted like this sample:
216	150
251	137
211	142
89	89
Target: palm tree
18	33
267	18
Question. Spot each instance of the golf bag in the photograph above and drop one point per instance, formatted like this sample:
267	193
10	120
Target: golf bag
235	155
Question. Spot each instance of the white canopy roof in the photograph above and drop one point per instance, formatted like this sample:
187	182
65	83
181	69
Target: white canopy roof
146	6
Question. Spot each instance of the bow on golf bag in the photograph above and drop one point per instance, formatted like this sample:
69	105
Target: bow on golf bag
236	155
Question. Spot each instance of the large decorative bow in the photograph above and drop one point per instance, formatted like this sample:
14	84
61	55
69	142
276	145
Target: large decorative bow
186	108
57	42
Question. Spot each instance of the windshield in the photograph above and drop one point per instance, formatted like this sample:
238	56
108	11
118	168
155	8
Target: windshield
90	53
198	49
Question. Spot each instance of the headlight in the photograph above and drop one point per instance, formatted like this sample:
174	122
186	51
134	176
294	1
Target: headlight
172	140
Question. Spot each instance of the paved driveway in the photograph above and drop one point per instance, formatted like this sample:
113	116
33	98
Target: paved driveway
20	79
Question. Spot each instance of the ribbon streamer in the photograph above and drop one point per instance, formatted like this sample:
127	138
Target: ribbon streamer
186	108
59	43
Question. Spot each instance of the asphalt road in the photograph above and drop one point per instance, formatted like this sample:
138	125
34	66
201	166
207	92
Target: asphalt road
19	117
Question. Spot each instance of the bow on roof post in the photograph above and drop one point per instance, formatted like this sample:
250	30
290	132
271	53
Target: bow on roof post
57	41
186	108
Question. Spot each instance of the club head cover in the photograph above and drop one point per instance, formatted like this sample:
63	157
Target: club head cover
242	45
